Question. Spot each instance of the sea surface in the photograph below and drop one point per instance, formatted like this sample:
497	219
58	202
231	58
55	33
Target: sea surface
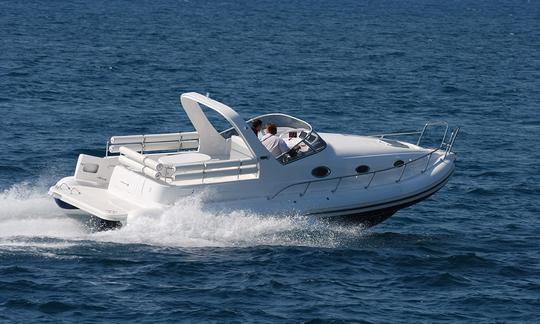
74	73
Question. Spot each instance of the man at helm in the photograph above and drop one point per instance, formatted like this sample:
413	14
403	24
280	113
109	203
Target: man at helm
272	142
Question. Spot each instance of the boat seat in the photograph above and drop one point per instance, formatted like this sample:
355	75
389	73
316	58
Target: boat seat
184	158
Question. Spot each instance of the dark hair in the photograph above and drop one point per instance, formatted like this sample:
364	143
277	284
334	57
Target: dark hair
256	123
272	128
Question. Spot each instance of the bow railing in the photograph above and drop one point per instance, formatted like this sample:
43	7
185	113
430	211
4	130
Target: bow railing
445	147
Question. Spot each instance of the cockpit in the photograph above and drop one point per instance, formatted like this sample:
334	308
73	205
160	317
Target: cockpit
299	136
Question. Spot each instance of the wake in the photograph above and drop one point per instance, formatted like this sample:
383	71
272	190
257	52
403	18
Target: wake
28	217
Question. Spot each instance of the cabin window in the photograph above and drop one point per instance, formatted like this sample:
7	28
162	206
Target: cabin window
398	163
321	172
362	169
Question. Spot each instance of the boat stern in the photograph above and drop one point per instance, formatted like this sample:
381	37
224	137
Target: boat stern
81	199
86	191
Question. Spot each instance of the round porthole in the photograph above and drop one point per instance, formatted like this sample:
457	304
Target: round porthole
320	172
362	169
399	163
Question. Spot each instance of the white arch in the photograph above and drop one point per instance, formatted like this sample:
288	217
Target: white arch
210	141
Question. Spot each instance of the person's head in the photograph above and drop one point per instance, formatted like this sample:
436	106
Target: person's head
271	128
256	125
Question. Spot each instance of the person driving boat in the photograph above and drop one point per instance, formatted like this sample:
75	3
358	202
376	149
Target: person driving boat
273	143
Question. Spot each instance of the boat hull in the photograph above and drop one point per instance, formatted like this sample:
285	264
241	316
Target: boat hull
64	205
367	216
354	205
383	211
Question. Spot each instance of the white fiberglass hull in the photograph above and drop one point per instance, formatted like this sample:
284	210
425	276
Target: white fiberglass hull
351	201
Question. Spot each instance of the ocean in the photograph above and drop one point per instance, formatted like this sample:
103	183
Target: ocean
74	73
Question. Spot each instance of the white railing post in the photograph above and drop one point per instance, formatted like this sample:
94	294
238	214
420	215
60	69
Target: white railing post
372	176
402	171
305	190
239	169
337	185
428	160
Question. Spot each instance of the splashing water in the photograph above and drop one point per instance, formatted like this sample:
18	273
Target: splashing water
28	215
26	211
187	223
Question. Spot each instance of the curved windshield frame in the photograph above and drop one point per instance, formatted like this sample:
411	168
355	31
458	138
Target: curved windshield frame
310	142
282	120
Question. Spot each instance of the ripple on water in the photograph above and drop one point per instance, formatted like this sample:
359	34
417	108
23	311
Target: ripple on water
445	279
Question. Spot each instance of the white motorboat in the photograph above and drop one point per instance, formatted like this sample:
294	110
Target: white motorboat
338	176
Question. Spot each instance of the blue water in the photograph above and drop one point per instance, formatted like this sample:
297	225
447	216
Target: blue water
74	73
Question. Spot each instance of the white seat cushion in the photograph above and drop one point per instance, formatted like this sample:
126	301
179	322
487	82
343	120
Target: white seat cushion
184	158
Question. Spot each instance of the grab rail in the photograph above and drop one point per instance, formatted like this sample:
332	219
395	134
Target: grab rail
154	142
199	170
445	146
213	169
436	123
396	134
421	133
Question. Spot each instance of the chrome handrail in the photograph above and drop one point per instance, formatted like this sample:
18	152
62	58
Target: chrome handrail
208	167
143	143
420	132
395	134
453	136
434	123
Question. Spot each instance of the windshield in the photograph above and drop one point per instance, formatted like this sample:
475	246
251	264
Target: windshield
281	120
297	134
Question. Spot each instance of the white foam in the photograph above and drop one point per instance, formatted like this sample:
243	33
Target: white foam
27	213
189	224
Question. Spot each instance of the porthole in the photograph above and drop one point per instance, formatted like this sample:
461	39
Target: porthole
362	169
398	163
320	172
